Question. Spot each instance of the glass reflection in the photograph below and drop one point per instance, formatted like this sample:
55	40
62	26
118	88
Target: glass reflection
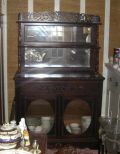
87	34
58	34
40	117
57	57
77	116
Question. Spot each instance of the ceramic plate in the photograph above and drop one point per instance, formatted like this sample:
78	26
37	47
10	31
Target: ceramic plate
13	151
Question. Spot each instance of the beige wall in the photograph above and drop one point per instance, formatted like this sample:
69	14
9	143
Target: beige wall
43	5
14	7
97	7
92	7
70	5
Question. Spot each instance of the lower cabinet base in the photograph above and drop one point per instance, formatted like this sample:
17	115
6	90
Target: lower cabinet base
66	110
57	143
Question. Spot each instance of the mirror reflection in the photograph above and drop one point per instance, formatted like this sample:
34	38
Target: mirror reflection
40	116
58	34
57	57
87	34
77	116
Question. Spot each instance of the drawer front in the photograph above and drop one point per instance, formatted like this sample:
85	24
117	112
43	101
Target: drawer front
60	88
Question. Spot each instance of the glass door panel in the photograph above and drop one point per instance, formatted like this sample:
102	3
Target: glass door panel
40	116
77	117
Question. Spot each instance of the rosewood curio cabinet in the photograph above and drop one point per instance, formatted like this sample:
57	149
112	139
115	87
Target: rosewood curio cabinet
58	88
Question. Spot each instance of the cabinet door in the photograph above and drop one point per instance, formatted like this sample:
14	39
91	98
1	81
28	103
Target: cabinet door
39	112
80	116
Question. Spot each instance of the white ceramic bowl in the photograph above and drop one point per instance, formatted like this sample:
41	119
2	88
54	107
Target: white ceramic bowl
76	130
31	128
38	129
85	122
45	118
74	125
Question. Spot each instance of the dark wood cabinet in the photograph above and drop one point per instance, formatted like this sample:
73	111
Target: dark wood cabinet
57	86
1	73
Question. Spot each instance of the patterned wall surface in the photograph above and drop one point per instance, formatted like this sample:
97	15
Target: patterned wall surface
70	6
43	5
14	7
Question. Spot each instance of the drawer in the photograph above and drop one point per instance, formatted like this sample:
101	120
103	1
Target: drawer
83	88
58	88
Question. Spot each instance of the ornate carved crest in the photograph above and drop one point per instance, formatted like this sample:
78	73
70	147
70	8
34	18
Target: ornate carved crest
59	17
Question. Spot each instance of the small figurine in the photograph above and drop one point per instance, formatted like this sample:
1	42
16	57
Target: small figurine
24	131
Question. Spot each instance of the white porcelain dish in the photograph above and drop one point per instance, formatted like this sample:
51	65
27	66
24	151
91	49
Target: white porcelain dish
14	151
76	130
6	146
74	125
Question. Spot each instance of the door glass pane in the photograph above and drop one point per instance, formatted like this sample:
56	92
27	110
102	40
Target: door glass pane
40	116
77	116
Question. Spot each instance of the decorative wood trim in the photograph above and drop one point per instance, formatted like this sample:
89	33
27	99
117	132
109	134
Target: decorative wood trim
82	6
105	53
56	5
30	5
4	11
59	17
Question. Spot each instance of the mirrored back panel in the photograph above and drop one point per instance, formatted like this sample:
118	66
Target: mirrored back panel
57	33
57	57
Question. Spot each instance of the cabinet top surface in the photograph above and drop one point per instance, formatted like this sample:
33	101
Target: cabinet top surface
59	17
59	76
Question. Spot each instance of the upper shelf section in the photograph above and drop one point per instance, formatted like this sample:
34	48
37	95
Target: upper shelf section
61	41
54	34
60	29
59	17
